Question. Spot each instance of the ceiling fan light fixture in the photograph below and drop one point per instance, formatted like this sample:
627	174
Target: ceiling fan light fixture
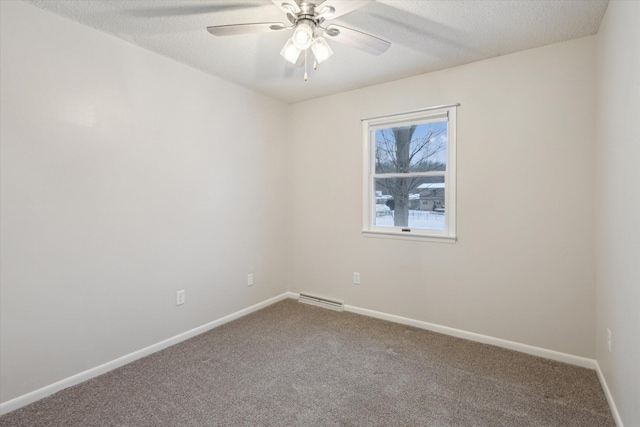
321	49
290	52
307	18
303	35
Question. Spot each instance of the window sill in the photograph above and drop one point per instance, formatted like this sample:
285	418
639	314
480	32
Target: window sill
407	236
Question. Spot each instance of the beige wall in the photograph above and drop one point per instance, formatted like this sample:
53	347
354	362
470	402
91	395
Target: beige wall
522	269
618	205
125	177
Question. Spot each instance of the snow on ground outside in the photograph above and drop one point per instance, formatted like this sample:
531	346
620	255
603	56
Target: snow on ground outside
417	219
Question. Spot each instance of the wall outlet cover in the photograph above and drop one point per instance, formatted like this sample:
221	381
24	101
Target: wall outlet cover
180	297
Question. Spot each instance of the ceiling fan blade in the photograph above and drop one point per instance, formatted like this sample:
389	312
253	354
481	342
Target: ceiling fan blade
357	39
182	10
237	29
341	7
287	6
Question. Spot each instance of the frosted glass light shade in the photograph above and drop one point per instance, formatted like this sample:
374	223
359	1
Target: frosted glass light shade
290	52
302	36
321	49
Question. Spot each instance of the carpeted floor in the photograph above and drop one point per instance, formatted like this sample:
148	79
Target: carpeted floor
292	364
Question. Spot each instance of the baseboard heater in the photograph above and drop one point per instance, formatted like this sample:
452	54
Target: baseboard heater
321	302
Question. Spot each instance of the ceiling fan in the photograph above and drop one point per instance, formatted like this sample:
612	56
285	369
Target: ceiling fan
307	18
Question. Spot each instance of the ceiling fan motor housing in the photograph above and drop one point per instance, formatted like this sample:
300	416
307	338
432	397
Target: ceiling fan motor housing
307	9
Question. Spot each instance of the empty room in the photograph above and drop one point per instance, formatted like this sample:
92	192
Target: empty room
320	213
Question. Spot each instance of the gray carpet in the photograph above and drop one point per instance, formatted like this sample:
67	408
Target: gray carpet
292	364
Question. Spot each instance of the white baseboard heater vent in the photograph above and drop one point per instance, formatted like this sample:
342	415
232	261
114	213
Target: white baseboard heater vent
321	302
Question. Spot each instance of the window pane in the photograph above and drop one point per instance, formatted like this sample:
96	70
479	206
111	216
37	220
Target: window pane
410	202
415	148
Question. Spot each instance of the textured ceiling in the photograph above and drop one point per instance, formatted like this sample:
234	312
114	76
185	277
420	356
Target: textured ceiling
426	35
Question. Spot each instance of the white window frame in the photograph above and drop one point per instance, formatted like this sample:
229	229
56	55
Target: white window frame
370	125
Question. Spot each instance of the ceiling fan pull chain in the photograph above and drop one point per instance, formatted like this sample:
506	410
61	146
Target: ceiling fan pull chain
315	64
306	76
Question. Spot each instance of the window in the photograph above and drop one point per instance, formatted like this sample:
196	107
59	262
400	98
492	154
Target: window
409	175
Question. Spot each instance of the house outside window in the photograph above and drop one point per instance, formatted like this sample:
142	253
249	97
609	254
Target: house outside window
409	175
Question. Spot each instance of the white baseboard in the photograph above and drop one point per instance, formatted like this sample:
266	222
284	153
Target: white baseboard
607	393
499	342
43	392
485	339
471	336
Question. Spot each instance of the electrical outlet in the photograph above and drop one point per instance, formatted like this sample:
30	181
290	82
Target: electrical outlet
250	279
180	297
356	278
609	339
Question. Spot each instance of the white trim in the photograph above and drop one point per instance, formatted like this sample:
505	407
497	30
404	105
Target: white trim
451	179
609	396
472	336
571	359
419	110
406	120
367	209
411	175
409	236
43	392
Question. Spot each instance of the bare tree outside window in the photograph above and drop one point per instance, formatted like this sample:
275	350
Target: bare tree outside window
405	150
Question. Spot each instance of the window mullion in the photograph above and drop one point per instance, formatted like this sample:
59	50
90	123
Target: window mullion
408	175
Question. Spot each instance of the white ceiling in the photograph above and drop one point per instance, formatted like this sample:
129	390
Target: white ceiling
426	35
